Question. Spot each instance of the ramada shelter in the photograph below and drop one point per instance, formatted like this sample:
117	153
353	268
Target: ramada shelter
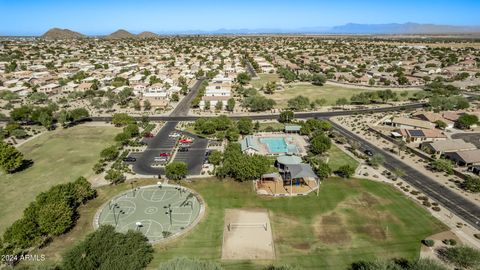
293	178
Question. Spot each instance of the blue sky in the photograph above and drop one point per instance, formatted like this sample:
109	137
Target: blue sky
31	17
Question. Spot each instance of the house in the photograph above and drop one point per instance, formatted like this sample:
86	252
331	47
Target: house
84	86
250	145
433	117
422	135
441	147
409	123
49	89
464	158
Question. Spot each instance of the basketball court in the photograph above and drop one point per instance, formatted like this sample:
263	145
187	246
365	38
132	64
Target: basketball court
247	235
159	211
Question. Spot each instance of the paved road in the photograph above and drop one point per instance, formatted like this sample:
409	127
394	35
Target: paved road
300	115
469	137
184	105
251	70
163	143
462	207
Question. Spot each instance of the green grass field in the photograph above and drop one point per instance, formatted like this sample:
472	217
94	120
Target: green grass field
350	220
338	158
59	156
330	93
263	79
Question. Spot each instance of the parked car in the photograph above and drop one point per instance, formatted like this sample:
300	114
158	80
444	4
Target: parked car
174	135
164	154
148	135
368	152
182	149
160	159
129	159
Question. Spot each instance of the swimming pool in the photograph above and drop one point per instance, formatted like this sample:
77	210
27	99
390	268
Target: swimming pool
278	145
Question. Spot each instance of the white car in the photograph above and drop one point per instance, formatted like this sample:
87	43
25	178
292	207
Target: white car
160	159
174	135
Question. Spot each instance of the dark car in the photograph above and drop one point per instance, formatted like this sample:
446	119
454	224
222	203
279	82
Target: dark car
148	135
368	152
129	159
183	149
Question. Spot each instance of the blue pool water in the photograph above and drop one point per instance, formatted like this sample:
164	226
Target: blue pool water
278	145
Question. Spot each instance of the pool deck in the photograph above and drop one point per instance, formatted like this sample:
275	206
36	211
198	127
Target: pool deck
292	139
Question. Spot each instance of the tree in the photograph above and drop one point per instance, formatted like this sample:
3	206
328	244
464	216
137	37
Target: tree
341	102
55	218
219	105
115	176
147	106
10	158
22	234
78	114
258	103
346	171
186	263
176	170
174	97
121	119
397	172
440	124
245	126
471	184
215	157
298	103
323	171
243	78
107	249
46	120
318	79
286	117
442	165
270	88
110	153
230	104
320	144
465	121
376	160
462	256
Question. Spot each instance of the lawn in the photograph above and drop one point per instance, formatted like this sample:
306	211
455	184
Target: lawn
59	156
350	220
338	158
264	79
331	93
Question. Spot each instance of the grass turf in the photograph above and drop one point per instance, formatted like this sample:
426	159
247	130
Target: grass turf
338	158
59	156
331	93
351	220
264	79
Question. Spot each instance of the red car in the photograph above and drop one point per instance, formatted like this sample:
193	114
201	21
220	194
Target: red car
148	135
164	154
186	141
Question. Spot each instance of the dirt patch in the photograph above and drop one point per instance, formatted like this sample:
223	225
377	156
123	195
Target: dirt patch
374	231
301	246
330	229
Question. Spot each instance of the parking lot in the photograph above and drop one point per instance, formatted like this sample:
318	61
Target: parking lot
164	143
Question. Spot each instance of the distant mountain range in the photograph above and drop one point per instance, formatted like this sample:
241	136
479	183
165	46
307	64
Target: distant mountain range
350	28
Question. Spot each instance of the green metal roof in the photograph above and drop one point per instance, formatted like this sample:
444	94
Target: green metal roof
287	160
292	128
